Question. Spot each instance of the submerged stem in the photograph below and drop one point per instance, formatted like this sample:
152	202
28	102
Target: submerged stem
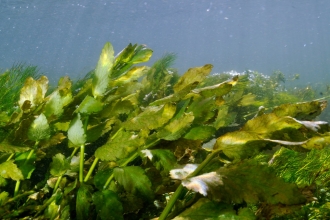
81	165
57	183
73	153
11	156
91	169
18	182
178	191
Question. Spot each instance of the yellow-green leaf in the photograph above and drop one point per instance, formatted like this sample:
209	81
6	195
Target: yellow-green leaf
39	129
192	76
76	132
89	105
9	170
33	92
102	72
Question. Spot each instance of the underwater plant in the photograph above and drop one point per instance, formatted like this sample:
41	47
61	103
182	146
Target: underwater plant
139	142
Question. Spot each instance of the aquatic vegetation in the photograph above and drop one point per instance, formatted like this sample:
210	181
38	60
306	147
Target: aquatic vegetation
139	142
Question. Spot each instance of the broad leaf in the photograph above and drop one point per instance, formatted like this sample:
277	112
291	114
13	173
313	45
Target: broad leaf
3	197
207	209
192	76
102	72
253	182
10	170
133	74
152	117
83	202
33	92
134	180
121	146
215	90
26	163
176	128
59	165
59	98
132	54
9	148
200	133
301	111
89	106
162	159
108	205
257	132
76	132
39	129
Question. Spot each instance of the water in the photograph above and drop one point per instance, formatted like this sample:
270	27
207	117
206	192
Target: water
66	37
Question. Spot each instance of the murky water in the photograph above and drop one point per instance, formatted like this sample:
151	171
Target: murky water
65	37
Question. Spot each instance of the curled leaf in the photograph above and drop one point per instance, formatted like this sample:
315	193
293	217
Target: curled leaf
33	92
203	183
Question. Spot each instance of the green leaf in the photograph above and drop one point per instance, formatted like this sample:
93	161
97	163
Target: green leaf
202	132
3	181
39	129
302	110
253	182
162	159
215	90
83	202
33	92
121	146
89	105
76	132
26	163
207	209
224	117
192	76
108	205
132	54
133	74
9	148
3	197
102	72
152	117
176	128
257	132
134	180
59	165
10	170
203	109
101	178
61	97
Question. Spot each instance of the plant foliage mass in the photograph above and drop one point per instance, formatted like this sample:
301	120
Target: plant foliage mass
139	142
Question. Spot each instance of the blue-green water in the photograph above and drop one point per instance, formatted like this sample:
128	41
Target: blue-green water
65	37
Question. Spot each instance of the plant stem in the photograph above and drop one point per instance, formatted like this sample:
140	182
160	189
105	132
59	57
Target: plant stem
18	182
178	191
81	166
11	156
57	183
73	153
28	157
19	196
91	169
